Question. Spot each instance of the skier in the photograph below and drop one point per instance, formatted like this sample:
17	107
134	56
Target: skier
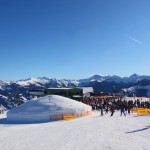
101	109
122	109
112	111
106	109
1	109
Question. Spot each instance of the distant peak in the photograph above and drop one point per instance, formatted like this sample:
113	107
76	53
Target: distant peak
134	75
98	75
45	78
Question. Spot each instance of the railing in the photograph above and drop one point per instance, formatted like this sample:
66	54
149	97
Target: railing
69	116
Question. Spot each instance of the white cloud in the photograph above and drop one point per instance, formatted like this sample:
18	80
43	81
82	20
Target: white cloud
133	39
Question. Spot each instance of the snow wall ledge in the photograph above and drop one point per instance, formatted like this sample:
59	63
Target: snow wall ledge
48	108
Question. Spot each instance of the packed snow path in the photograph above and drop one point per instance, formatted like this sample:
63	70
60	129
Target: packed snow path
87	133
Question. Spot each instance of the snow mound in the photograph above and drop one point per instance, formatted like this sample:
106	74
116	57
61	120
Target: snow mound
42	109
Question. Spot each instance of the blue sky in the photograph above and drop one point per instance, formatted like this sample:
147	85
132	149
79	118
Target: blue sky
74	38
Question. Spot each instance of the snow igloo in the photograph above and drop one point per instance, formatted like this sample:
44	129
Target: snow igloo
48	108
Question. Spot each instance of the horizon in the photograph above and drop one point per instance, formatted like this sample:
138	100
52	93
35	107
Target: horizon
73	39
74	78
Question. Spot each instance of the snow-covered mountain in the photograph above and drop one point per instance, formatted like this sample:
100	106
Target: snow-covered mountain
3	84
67	82
100	83
42	81
117	79
144	90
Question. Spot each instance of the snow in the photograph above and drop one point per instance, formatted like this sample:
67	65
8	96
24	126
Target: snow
40	81
42	109
86	133
3	96
138	87
3	84
142	99
33	81
117	79
93	132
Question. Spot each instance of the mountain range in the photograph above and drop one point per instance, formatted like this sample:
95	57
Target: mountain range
137	84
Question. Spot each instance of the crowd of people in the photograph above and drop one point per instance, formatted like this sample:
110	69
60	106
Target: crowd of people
111	104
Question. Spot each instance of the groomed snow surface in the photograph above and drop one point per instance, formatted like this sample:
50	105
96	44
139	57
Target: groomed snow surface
93	132
86	133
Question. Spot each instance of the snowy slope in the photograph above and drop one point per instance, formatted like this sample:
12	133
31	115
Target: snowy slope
87	133
3	84
43	80
36	81
142	99
41	109
134	89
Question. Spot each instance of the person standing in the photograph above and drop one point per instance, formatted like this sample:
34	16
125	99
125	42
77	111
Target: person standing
129	108
1	109
112	110
122	109
101	109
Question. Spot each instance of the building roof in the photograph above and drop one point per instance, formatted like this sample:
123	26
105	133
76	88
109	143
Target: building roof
60	88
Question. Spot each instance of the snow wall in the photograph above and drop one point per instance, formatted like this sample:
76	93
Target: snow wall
48	108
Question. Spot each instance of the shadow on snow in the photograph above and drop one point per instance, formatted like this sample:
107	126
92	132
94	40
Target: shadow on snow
4	121
138	130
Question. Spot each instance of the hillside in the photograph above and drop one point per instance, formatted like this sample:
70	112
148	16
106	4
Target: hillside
18	90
